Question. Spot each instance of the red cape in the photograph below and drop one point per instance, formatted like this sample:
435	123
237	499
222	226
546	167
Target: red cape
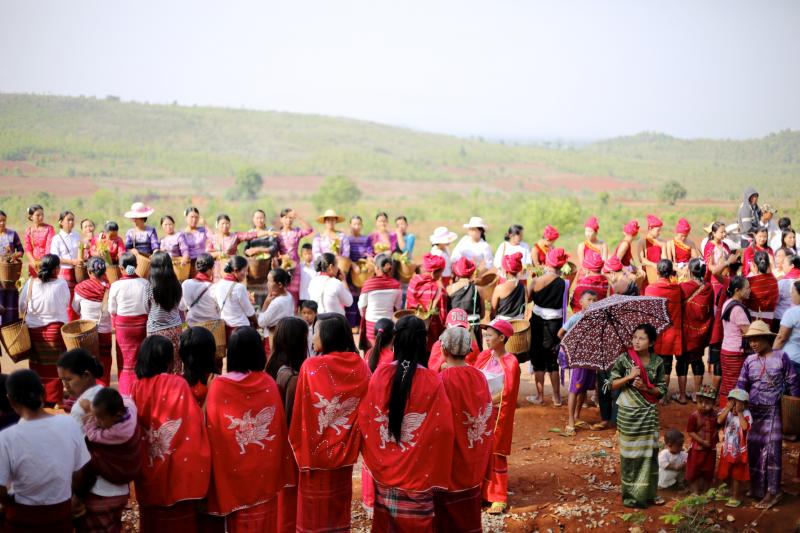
176	459
436	360
422	459
669	341
330	387
698	315
380	283
473	423
422	290
250	459
504	428
595	282
763	293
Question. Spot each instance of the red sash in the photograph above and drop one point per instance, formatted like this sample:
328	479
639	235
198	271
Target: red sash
247	431
683	253
176	463
423	457
698	315
380	283
473	422
652	398
669	341
91	289
329	389
504	428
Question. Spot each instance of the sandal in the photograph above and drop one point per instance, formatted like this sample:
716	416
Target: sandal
658	500
678	399
497	508
581	424
535	400
600	426
733	502
569	431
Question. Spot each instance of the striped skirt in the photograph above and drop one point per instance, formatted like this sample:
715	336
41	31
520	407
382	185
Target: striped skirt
764	441
458	511
173	334
638	448
732	363
255	519
103	514
129	331
56	518
105	344
400	510
323	500
46	347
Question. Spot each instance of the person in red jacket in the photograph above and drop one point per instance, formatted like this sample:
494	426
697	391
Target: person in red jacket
669	342
698	317
763	289
426	292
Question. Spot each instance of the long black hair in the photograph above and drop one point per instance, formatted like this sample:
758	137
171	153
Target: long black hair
48	267
335	334
197	350
761	260
79	361
290	345
784	233
714	227
25	388
163	281
384	334
246	351
410	337
155	356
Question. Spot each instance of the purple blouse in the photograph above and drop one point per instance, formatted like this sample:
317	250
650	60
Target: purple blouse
175	245
324	244
288	241
360	247
766	377
196	241
145	241
10	242
377	244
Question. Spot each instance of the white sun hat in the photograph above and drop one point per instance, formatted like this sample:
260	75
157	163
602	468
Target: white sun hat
475	222
442	235
139	210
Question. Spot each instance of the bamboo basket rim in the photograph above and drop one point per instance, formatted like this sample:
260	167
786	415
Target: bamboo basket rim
21	333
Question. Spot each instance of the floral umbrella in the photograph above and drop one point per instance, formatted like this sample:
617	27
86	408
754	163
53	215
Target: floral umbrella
605	329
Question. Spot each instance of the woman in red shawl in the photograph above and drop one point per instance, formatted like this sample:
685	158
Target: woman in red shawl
502	374
680	249
459	507
407	423
591	243
650	250
247	432
670	341
176	464
594	280
624	250
425	291
763	289
542	246
91	303
37	239
323	431
759	245
698	317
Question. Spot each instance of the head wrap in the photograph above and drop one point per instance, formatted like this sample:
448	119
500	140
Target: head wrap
683	227
613	264
631	228
463	268
592	261
556	258
432	263
550	233
592	223
512	264
654	222
456	341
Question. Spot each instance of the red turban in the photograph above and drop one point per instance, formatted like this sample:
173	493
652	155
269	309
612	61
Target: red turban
654	222
631	228
592	223
556	258
550	233
463	268
512	264
613	264
432	263
592	261
683	227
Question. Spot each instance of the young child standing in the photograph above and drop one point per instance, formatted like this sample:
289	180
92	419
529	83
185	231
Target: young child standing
308	312
702	429
733	457
672	461
306	270
581	379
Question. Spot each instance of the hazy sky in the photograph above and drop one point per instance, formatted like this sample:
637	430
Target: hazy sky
512	69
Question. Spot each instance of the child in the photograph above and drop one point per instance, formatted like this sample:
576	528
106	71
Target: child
672	461
581	379
702	429
308	312
733	457
197	350
307	271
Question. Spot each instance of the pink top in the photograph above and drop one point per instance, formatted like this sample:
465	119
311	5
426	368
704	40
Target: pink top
175	244
288	241
37	240
228	244
119	433
732	333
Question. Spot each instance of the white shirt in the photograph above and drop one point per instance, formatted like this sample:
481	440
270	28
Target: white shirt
380	304
38	458
784	297
509	249
91	310
667	478
66	246
128	297
237	306
479	252
307	273
49	302
448	264
101	486
206	308
279	308
331	295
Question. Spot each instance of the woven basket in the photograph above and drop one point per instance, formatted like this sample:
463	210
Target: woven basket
10	273
181	271
790	414
142	266
520	341
257	269
217	328
16	340
112	273
486	279
365	272
81	334
344	264
406	271
400	313
81	273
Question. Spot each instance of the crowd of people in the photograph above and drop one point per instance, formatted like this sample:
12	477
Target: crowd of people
349	348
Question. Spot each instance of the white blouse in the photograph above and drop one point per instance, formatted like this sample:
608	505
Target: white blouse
205	309
331	295
66	246
279	308
479	252
48	302
128	297
236	307
380	304
91	310
509	249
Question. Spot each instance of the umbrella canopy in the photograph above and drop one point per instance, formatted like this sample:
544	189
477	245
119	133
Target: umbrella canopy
605	329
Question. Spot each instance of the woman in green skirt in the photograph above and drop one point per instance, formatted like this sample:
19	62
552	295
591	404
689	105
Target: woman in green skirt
639	376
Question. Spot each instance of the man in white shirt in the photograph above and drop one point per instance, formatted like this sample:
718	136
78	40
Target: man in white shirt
307	272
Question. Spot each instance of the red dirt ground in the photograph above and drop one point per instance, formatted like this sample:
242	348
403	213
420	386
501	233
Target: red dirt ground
8	167
63	187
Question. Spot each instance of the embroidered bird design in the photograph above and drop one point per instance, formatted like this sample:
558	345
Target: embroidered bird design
160	440
477	425
334	414
252	430
411	423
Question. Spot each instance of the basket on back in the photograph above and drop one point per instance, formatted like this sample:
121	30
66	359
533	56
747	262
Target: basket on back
365	272
520	341
258	269
142	266
181	271
217	328
10	273
406	271
81	272
81	334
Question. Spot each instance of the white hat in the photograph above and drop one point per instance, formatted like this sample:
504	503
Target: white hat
139	210
442	235
475	222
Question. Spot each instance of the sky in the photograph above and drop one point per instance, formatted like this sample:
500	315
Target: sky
516	70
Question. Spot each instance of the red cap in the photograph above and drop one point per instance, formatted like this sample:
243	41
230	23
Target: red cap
505	329
457	317
432	263
683	227
613	264
550	233
631	228
512	264
463	268
592	261
592	223
556	258
654	222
